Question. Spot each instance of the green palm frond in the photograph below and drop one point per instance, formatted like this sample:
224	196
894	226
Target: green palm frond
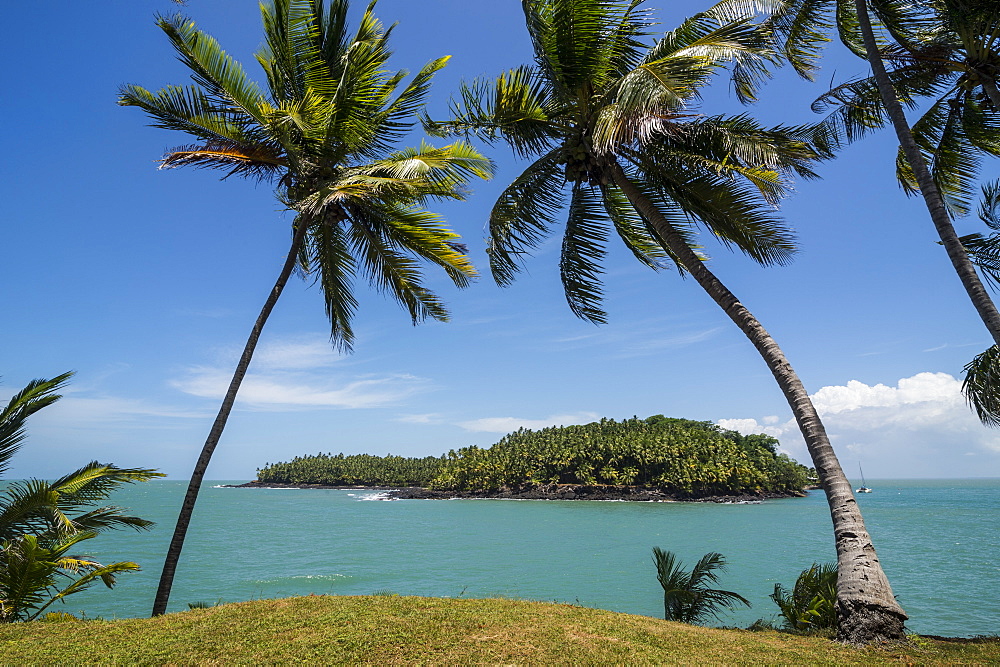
583	248
803	27
326	255
188	109
63	506
515	107
31	572
222	78
389	269
989	205
981	386
525	214
36	395
733	211
954	164
984	250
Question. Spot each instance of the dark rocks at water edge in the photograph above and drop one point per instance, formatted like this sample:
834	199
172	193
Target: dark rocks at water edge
545	492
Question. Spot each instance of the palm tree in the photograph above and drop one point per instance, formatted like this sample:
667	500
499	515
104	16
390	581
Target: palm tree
40	521
611	121
324	134
961	31
687	597
981	384
811	604
951	53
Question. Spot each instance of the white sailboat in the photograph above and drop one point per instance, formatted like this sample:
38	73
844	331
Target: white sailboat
864	487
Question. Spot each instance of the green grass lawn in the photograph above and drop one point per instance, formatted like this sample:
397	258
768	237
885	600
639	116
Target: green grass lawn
438	631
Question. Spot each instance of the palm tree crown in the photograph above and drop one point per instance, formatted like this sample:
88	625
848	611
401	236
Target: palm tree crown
599	99
324	133
948	51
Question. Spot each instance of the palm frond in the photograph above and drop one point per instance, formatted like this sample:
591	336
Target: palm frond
214	70
37	394
258	161
514	107
525	214
327	256
583	248
981	386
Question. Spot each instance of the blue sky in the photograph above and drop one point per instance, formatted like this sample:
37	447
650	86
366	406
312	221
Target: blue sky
146	283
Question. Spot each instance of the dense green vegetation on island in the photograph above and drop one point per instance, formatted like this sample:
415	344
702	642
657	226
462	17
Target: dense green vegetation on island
354	470
680	456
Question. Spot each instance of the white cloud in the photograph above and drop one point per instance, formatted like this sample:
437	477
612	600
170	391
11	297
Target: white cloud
508	424
920	427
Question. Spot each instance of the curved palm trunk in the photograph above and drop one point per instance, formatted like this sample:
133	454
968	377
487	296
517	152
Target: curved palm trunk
187	509
932	196
867	610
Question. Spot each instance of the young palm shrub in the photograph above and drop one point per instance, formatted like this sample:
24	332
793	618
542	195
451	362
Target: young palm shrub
616	144
324	133
811	605
687	596
41	521
35	573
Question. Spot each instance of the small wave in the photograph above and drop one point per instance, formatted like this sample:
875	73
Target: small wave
299	577
381	495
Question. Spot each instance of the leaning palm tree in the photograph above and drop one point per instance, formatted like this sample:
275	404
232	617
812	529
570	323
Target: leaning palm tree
959	30
950	53
612	122
687	596
324	134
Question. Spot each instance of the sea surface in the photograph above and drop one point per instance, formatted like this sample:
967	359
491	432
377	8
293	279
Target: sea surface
938	540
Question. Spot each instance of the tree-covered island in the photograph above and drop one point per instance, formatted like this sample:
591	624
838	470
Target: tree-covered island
657	458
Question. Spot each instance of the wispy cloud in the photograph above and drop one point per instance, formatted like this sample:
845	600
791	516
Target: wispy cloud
428	418
288	390
651	337
82	411
294	374
508	424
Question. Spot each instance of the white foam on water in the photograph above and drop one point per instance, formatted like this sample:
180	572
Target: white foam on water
382	495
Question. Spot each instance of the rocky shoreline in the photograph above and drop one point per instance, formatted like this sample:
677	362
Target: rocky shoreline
546	492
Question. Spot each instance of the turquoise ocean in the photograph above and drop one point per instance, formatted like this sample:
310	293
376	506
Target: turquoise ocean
939	542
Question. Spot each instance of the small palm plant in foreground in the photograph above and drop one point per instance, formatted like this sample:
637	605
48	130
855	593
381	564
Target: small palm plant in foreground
687	596
618	149
811	604
324	134
42	522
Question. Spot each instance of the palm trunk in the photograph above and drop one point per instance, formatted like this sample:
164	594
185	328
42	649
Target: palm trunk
866	608
991	91
932	196
187	509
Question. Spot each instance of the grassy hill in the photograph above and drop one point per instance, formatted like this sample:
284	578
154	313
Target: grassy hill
438	631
